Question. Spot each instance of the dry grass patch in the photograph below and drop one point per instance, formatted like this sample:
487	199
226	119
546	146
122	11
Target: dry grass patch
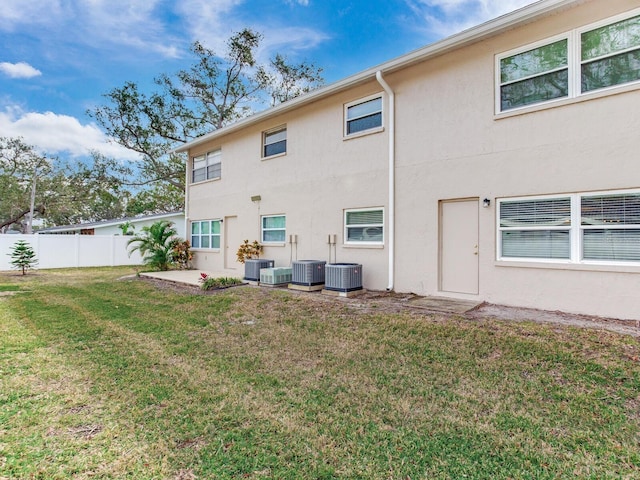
118	378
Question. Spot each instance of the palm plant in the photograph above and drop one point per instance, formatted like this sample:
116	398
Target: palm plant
155	243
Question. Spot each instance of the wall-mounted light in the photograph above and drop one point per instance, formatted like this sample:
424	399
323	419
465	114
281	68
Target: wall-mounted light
256	198
486	203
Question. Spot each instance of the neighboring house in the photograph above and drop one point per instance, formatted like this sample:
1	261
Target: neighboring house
113	227
501	164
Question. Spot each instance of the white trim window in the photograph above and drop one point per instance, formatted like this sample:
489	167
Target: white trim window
274	142
576	228
363	115
610	54
534	76
538	228
205	234
598	56
364	226
610	227
207	167
273	228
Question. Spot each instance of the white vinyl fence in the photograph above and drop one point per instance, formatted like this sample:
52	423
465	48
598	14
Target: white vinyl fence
62	251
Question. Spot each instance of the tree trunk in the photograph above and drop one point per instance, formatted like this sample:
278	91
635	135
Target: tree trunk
39	209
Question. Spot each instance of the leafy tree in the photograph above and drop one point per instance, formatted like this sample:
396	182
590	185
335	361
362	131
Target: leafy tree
290	81
215	91
20	168
62	193
22	256
156	243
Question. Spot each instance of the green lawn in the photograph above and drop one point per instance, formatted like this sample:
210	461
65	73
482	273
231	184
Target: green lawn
108	378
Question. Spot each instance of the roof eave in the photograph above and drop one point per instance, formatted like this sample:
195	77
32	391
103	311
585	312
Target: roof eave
472	35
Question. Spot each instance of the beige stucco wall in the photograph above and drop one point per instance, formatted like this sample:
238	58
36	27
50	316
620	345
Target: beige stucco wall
459	148
320	175
449	144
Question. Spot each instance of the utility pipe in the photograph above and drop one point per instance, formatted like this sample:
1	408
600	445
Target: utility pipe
392	179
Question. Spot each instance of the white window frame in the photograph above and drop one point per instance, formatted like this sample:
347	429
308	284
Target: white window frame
265	136
576	229
526	48
593	26
363	241
574	56
263	230
211	235
211	158
360	101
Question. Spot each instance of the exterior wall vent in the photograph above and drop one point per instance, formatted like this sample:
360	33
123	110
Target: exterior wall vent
308	272
343	277
252	268
275	276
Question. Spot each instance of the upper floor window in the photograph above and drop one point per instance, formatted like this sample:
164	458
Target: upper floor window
364	226
273	228
576	228
534	76
364	114
598	56
207	167
274	142
610	54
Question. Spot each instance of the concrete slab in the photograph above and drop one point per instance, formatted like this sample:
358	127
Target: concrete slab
189	277
306	288
352	293
444	304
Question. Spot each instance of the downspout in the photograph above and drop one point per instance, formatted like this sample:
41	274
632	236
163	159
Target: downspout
186	200
392	180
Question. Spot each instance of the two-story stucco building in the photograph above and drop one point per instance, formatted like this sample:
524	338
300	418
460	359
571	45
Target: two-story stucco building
500	164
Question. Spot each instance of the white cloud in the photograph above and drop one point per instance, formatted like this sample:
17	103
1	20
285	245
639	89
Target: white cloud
292	39
59	134
131	23
446	17
213	24
135	24
19	70
14	13
217	21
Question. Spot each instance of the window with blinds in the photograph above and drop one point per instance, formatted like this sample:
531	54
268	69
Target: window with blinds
274	228
364	226
582	227
610	227
538	228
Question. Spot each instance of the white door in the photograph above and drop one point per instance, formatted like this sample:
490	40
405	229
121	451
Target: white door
459	246
231	242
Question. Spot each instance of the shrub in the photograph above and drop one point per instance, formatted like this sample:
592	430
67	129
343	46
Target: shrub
248	250
22	256
181	255
155	244
211	283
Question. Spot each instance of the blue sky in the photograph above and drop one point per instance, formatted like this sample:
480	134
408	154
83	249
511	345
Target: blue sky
58	57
